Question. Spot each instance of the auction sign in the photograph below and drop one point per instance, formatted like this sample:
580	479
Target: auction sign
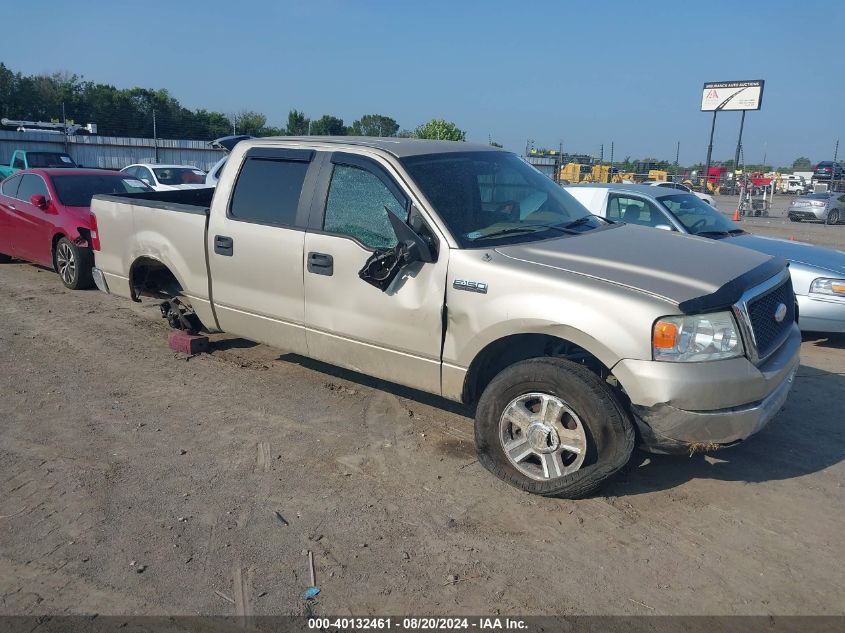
732	95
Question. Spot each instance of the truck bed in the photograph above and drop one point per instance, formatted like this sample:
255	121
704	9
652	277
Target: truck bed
164	226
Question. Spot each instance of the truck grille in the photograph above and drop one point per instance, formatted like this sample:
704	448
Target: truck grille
761	310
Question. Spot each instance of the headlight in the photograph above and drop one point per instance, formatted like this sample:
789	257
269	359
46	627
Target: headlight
696	338
835	287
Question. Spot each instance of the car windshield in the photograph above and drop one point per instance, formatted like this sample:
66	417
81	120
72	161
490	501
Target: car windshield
493	198
180	175
697	216
49	159
818	196
77	190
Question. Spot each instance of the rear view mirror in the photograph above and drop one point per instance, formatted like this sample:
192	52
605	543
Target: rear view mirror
39	201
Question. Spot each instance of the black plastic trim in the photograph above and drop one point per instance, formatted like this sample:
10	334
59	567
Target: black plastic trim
732	291
280	153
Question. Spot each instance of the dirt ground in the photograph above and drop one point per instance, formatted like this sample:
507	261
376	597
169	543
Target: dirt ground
135	480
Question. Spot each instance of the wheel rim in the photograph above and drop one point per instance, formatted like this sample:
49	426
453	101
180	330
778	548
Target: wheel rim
542	436
66	263
833	218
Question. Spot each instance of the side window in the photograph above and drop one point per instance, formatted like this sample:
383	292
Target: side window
10	186
18	162
356	207
145	175
267	191
31	185
131	171
634	211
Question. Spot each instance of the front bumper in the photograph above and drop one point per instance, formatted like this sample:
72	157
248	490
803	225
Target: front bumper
704	406
100	280
821	313
804	213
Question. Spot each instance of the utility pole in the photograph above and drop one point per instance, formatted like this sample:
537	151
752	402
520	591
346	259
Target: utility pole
709	152
64	121
677	157
155	137
610	169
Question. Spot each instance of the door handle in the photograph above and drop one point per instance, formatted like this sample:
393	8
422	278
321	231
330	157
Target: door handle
223	245
320	264
13	207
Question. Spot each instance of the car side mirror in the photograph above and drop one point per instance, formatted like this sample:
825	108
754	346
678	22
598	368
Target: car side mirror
664	227
384	265
37	200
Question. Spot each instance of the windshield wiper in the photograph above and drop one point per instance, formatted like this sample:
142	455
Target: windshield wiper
531	228
584	220
713	233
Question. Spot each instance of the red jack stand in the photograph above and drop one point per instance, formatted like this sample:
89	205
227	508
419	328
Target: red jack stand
186	343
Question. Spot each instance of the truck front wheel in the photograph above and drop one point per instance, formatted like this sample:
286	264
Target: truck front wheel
552	427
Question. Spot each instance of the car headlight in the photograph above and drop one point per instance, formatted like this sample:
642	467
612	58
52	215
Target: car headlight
696	338
822	286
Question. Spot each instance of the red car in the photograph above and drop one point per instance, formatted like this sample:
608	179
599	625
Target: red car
45	218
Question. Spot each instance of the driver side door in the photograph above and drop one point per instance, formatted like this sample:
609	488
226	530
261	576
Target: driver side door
394	334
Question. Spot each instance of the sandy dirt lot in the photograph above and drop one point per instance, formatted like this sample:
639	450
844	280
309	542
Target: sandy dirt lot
135	480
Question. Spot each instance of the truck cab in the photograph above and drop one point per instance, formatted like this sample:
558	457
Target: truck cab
23	159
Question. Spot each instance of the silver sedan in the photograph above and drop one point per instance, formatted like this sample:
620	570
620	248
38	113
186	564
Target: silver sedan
824	207
818	274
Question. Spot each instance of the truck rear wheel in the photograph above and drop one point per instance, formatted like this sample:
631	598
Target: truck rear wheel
552	427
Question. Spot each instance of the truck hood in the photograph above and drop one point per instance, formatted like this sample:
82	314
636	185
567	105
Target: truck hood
694	273
798	252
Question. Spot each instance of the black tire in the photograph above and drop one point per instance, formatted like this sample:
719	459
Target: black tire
5	259
73	264
791	219
607	426
833	217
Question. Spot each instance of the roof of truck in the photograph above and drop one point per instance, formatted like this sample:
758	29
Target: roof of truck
399	147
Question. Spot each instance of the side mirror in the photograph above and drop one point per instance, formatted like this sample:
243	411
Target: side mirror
664	227
383	266
37	200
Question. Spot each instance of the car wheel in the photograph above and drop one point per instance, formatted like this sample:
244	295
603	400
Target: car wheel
833	216
74	265
791	219
552	427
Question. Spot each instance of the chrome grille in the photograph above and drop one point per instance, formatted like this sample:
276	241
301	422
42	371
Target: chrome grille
761	311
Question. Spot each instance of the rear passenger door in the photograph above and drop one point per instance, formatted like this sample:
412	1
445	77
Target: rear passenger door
255	249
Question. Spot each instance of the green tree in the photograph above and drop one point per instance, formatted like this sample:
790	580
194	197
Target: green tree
297	123
440	129
328	125
374	125
802	163
248	122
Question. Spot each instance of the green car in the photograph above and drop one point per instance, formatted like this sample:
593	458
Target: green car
23	159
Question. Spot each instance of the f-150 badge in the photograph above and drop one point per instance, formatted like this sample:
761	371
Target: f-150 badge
470	286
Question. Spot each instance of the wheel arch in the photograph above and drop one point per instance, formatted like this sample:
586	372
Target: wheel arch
152	277
513	348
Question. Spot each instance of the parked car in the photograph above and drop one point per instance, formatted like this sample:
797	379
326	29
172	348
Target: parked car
818	274
460	270
226	144
45	218
167	177
23	159
827	207
682	187
828	169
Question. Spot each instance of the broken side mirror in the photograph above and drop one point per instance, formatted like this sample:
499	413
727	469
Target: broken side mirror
383	266
38	200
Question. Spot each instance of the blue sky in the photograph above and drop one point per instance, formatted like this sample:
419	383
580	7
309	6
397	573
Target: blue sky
584	73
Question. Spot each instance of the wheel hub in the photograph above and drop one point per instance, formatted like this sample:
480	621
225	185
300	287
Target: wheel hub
542	438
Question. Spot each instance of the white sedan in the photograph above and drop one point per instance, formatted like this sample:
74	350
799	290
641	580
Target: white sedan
676	185
168	177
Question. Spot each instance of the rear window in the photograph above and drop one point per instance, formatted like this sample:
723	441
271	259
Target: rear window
179	176
49	159
267	191
77	191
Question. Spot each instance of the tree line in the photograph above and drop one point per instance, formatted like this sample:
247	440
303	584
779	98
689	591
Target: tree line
145	112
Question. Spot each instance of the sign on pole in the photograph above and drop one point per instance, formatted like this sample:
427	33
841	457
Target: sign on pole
732	95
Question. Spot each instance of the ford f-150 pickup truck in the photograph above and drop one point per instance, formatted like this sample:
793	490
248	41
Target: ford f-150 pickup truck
462	271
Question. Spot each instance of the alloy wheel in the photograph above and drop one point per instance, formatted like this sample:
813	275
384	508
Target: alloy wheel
66	263
542	436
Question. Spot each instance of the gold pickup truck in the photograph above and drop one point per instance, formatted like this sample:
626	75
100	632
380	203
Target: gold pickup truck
460	270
